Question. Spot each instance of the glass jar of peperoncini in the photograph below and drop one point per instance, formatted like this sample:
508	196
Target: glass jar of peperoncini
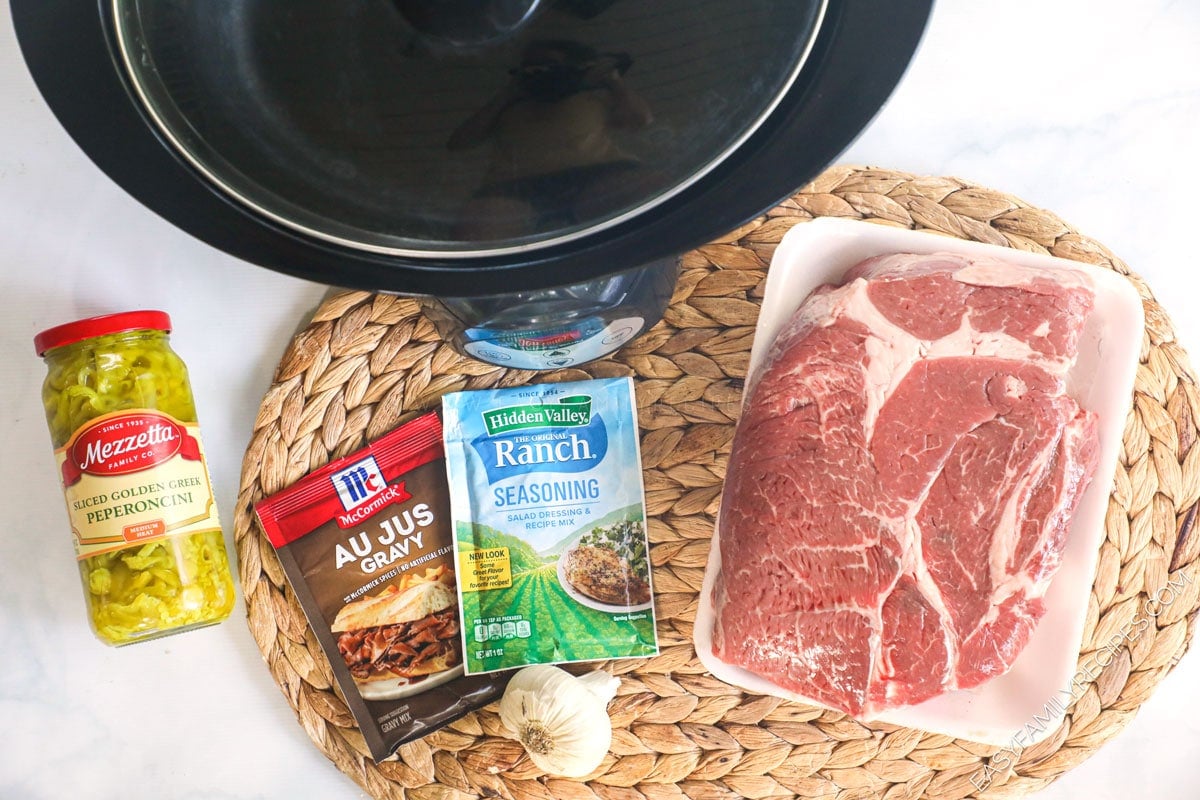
140	502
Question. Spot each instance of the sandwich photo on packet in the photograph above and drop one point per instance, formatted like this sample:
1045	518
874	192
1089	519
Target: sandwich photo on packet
366	544
404	639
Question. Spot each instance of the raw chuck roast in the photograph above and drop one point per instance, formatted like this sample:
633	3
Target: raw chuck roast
902	481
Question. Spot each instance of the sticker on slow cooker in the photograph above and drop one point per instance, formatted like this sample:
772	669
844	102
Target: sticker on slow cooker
552	348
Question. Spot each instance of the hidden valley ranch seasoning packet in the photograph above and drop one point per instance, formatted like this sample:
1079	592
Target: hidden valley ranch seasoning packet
550	524
365	542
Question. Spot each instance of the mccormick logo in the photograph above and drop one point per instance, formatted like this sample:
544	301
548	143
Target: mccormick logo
358	483
363	491
569	412
124	443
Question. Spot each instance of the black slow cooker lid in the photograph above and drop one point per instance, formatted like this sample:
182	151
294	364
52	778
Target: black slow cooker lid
462	127
857	51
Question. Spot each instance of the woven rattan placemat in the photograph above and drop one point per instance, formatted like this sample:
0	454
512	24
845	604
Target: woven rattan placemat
367	361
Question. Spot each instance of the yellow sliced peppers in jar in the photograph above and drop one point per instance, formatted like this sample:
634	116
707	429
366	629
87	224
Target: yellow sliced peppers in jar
117	399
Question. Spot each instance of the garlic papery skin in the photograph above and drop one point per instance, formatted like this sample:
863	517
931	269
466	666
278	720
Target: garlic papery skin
561	720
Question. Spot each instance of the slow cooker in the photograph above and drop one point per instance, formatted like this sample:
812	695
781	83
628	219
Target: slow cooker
530	168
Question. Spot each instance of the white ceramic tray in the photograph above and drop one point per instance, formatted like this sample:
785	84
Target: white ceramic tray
1027	702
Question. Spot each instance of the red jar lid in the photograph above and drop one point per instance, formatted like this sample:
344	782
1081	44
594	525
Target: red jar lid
79	330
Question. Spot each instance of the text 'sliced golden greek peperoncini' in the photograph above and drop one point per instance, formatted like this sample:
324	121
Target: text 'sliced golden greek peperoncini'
123	422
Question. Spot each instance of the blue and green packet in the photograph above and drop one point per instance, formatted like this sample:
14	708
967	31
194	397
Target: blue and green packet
550	524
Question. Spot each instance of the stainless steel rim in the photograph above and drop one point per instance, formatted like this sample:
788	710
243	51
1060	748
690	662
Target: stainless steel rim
165	130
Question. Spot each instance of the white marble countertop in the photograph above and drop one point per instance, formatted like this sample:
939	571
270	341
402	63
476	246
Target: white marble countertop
1090	109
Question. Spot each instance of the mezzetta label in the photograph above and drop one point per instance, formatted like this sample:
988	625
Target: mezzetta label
124	442
135	477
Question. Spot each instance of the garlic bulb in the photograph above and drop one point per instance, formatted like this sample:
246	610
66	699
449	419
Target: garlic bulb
562	720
